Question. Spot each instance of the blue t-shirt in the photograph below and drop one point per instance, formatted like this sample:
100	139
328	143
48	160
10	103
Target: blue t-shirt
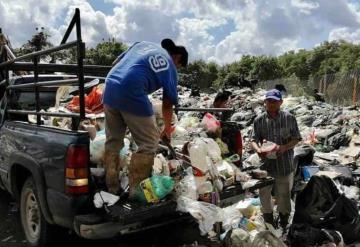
144	68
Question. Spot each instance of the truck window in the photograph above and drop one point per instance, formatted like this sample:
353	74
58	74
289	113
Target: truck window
26	99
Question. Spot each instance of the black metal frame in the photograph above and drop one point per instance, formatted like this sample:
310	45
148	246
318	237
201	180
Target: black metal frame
79	69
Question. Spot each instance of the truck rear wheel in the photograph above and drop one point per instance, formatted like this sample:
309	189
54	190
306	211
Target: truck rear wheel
37	231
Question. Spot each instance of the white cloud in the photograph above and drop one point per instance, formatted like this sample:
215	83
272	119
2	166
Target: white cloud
217	30
345	33
19	23
93	23
305	6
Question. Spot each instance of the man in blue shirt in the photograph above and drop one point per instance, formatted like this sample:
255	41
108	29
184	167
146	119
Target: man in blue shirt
141	70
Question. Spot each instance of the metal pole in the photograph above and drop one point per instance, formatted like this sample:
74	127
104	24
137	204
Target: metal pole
37	94
40	53
80	60
71	25
204	109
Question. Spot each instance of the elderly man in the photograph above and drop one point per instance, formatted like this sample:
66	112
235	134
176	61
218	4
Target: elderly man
279	127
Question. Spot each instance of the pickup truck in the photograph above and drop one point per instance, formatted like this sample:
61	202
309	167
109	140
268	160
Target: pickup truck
46	170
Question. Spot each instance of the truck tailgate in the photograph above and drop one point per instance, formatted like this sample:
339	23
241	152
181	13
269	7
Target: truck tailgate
126	217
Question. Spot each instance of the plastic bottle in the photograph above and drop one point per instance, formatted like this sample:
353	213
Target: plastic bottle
198	153
153	189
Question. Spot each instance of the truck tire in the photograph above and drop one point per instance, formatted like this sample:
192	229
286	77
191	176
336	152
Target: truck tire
37	231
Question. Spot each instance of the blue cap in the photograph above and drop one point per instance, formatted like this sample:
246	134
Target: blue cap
273	94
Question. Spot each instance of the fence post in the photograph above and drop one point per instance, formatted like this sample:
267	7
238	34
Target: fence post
325	84
354	91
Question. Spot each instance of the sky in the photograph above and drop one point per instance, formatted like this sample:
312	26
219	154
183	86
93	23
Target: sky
213	30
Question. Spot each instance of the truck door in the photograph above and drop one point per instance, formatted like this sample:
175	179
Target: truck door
3	170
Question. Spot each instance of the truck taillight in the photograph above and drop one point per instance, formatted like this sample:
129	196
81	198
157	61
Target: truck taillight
238	147
77	172
238	143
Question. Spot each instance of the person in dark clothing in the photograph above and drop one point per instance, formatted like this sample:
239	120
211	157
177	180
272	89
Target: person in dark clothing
195	91
281	88
318	96
221	99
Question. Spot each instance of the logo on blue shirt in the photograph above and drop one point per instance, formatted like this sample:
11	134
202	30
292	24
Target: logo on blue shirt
158	63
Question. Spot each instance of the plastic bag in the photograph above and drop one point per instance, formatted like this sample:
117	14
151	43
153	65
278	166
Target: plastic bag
198	153
213	149
204	187
160	166
246	207
232	217
97	148
210	122
270	149
223	146
188	122
266	238
174	166
93	102
205	213
153	189
237	238
102	197
187	186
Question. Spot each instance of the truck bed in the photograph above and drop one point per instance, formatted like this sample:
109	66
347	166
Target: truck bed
126	217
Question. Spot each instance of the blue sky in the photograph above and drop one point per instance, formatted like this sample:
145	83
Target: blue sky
213	30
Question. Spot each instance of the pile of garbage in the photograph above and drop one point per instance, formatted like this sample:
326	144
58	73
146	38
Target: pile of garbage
204	164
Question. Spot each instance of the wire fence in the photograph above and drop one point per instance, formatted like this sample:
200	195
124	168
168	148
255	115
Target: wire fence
337	89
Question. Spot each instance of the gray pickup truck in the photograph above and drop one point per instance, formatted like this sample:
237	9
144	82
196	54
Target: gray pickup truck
47	169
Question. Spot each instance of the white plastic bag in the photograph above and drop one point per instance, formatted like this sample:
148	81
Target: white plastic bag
187	186
160	166
103	197
213	149
97	148
270	149
198	153
232	217
205	213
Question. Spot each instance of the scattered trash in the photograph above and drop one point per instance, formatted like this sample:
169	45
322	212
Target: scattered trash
153	189
104	198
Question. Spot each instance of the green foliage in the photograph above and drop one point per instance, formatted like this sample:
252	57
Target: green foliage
38	42
327	58
199	73
104	53
266	68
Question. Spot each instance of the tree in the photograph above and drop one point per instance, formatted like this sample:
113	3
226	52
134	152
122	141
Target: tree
295	64
266	68
200	74
38	42
104	53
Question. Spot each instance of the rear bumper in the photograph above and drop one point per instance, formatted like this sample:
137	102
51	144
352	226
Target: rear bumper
63	207
108	230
